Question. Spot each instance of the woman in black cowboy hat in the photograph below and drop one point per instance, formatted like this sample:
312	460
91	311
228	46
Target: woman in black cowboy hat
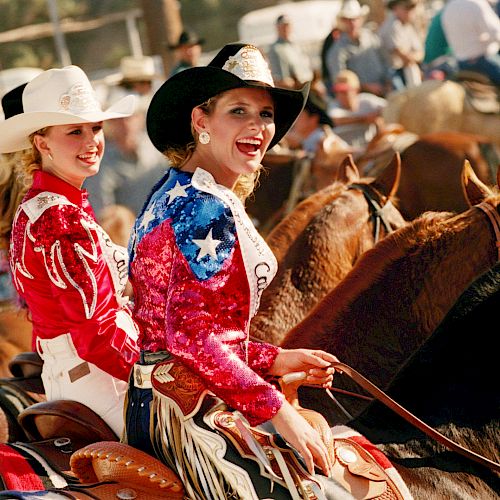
198	268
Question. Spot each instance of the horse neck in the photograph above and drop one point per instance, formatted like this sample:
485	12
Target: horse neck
286	232
398	292
452	378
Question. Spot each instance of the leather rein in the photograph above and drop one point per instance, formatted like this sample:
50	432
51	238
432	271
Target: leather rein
377	211
404	413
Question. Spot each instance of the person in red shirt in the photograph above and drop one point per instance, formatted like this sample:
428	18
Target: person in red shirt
65	268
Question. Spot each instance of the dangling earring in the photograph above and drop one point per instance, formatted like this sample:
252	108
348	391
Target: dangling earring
204	137
50	157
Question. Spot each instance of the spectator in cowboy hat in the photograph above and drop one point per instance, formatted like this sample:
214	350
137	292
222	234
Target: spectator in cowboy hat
137	74
311	125
188	51
358	49
357	115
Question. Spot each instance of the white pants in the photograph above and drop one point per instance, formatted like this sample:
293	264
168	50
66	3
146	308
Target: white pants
91	386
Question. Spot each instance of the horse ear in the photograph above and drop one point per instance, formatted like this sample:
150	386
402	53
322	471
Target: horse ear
348	171
475	191
387	181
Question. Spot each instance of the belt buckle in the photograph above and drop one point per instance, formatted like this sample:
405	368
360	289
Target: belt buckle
138	376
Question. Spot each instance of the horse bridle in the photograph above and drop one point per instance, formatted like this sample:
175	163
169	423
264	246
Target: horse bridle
377	211
495	221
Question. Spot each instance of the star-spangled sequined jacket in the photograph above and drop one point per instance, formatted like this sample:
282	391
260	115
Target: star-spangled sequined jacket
198	267
71	275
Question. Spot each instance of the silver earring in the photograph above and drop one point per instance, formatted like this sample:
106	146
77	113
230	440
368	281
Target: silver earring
50	157
204	137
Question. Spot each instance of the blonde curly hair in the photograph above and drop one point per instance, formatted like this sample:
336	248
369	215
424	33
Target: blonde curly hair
16	177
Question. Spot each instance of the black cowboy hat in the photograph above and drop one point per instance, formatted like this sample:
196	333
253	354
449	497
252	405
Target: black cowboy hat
236	65
187	38
316	105
12	101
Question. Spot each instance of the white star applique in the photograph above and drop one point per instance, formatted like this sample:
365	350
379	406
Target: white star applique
177	191
208	246
147	217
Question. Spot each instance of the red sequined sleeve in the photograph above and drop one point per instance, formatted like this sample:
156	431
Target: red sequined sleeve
102	331
206	329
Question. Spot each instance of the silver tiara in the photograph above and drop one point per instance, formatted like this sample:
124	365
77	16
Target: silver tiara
249	64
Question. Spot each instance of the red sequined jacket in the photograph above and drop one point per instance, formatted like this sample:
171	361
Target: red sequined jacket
198	268
71	276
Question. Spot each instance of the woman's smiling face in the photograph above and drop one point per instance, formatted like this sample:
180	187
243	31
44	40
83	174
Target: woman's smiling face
75	151
241	127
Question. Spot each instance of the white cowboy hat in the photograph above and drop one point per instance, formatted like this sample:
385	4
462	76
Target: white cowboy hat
57	97
351	9
134	69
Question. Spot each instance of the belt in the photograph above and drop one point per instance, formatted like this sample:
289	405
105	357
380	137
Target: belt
153	357
143	369
142	376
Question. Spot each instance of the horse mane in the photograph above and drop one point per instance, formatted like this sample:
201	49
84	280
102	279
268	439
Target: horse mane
370	267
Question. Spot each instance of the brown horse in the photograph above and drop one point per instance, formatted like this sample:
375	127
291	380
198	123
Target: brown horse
463	403
431	166
15	335
399	291
318	243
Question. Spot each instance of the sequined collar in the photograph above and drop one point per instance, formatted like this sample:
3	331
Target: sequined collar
44	181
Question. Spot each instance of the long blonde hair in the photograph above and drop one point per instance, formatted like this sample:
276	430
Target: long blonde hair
16	177
245	184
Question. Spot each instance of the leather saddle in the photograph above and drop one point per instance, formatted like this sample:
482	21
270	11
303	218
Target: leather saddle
482	95
26	364
63	418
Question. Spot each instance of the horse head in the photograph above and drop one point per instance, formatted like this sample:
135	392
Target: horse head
399	291
319	241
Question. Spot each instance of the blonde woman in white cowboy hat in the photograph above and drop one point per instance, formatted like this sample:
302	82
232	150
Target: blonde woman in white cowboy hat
198	268
65	268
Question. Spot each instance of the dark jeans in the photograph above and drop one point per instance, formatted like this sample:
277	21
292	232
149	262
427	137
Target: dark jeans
138	414
487	65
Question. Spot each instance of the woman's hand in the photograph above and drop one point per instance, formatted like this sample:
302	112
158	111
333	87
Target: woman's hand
315	363
306	440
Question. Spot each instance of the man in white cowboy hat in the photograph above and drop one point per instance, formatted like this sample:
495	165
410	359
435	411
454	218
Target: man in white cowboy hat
137	74
358	49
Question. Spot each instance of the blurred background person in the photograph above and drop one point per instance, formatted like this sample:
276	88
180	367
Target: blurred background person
328	42
358	49
136	76
357	115
311	125
402	45
439	61
187	51
472	29
290	66
130	166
